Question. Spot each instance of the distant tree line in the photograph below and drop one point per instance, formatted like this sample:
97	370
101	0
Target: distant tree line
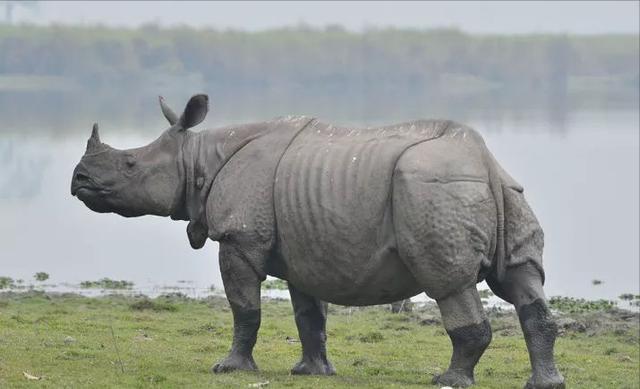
303	56
300	62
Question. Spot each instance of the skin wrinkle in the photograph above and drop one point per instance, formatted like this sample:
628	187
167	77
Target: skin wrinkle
390	200
178	209
275	174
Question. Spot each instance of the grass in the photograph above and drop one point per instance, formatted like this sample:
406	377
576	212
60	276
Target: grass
117	341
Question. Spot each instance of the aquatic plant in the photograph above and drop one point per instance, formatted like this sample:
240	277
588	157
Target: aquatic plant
106	283
6	283
275	284
629	296
575	305
485	293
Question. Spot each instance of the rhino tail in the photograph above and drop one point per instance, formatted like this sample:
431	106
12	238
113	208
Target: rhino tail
497	189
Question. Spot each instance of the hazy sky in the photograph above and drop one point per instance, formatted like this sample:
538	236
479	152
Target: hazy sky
480	17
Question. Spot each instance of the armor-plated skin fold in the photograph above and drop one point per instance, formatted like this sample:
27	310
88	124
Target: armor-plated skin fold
344	215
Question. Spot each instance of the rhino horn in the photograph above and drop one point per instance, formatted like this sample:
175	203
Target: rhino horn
94	144
168	113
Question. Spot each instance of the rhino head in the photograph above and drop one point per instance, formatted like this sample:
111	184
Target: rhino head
147	180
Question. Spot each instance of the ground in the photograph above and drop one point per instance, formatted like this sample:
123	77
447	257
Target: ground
114	341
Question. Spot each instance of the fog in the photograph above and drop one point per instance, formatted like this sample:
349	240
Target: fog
587	17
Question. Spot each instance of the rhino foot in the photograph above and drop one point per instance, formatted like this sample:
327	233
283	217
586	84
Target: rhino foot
313	367
234	362
555	381
454	379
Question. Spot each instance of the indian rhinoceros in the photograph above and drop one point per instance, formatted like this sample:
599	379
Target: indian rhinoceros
344	215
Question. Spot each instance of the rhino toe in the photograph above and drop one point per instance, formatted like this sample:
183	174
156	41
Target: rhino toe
234	362
315	367
454	379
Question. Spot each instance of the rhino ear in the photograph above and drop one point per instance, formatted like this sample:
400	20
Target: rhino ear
195	111
168	113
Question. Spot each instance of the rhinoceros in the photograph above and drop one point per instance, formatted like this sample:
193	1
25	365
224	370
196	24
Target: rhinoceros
345	215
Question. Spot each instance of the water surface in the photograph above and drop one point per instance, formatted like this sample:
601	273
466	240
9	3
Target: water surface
580	175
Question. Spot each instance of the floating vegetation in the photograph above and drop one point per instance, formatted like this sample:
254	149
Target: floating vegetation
597	282
574	305
7	282
41	276
485	293
275	284
106	283
629	296
174	296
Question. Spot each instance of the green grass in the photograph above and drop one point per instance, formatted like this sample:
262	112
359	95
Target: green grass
115	341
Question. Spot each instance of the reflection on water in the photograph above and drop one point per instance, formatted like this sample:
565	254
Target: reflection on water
22	169
580	175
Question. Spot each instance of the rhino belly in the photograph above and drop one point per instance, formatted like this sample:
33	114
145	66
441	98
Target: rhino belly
335	234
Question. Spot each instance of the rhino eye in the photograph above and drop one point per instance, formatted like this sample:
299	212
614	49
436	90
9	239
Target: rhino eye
130	161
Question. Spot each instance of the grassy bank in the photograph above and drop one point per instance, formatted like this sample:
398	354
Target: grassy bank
72	341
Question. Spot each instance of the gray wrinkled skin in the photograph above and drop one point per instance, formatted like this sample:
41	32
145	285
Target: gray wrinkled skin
347	216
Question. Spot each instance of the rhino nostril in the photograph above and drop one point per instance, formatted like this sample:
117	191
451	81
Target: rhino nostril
81	177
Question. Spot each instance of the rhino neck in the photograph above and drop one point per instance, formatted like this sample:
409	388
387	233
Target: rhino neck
204	155
179	209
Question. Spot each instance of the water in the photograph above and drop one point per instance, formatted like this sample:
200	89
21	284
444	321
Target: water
580	175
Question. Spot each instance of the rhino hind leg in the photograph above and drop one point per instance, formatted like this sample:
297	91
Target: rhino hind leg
470	334
444	236
522	286
311	318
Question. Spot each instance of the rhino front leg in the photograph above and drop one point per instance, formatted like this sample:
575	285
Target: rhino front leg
470	333
242	287
311	318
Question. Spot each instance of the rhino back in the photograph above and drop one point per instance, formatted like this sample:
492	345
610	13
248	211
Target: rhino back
332	193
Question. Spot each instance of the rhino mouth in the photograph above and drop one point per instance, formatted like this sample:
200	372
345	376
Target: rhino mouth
84	186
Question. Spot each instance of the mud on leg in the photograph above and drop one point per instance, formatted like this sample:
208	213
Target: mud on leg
311	317
470	333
